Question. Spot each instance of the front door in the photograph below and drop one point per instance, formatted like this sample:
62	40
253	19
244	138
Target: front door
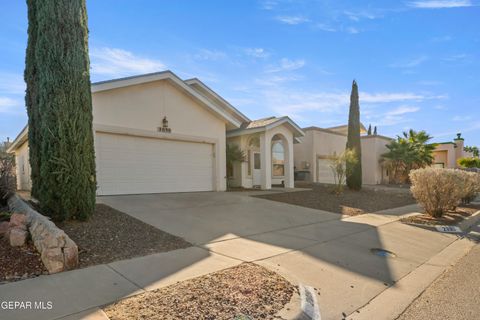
257	173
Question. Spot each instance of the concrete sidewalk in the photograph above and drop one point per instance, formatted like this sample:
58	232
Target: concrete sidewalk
331	255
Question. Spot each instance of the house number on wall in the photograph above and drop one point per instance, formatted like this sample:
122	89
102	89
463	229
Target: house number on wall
164	128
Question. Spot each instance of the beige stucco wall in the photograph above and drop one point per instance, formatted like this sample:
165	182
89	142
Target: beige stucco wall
445	153
317	143
22	168
372	149
142	107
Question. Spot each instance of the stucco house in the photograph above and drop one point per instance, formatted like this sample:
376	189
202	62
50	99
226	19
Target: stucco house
319	144
157	133
446	154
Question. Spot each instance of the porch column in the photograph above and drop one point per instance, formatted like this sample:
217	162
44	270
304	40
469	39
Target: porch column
289	171
266	160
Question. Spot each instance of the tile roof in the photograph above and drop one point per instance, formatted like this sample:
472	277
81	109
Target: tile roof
260	123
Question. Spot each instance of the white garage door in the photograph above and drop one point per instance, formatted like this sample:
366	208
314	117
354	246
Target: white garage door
132	165
324	172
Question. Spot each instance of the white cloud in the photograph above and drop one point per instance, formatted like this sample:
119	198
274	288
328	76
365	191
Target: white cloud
442	39
395	97
286	65
269	4
292	20
462	118
357	16
440	4
410	63
402	110
352	30
213	55
257	52
119	63
325	27
9	105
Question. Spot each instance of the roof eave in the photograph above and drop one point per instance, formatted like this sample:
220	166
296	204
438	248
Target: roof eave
19	140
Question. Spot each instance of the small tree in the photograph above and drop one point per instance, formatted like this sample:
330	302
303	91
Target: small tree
7	174
473	150
233	154
469	162
354	180
341	166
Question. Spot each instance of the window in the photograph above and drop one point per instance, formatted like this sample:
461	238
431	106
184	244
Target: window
278	158
256	161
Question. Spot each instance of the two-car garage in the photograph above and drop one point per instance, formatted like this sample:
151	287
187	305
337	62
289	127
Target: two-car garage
133	164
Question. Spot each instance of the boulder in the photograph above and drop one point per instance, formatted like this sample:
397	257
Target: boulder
18	220
70	257
53	260
4	227
18	237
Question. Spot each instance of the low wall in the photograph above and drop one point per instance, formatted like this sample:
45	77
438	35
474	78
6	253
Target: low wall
57	250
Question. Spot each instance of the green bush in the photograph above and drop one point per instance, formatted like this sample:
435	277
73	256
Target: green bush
438	190
469	162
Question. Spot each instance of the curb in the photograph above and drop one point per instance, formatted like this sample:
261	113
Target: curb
392	302
470	221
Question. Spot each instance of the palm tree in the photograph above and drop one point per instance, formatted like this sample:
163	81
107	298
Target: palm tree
408	152
234	154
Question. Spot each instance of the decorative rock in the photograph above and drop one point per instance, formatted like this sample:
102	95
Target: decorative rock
18	237
53	260
70	257
18	220
4	227
57	250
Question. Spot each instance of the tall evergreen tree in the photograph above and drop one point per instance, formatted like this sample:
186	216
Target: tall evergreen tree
66	184
30	75
354	180
375	131
369	132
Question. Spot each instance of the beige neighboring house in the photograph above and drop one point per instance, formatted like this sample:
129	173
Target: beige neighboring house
320	144
157	133
446	154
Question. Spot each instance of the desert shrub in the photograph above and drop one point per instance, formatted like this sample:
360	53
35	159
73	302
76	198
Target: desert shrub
342	166
437	190
470	185
469	162
7	177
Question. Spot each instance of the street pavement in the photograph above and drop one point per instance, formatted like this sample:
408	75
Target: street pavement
455	295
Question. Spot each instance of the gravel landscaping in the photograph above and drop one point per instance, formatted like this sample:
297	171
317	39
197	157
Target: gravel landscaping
245	290
349	202
18	263
450	218
111	235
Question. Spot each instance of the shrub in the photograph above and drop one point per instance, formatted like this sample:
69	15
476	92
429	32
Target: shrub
437	190
470	185
7	177
341	166
469	162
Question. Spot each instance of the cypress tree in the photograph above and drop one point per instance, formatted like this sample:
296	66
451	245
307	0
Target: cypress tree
375	131
66	187
31	100
369	132
354	181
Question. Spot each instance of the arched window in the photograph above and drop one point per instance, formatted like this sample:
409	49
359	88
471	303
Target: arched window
278	157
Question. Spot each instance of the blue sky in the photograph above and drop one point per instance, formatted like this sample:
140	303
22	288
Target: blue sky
416	62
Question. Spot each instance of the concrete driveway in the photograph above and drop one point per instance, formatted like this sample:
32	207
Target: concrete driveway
307	246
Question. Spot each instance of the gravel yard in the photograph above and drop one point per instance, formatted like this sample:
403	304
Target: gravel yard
18	263
450	218
247	289
349	202
112	235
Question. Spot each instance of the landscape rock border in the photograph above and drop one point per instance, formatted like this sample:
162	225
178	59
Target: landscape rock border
58	252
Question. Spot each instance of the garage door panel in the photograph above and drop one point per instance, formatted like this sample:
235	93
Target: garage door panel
324	172
129	165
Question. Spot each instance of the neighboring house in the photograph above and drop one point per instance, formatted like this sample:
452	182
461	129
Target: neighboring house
320	144
156	133
446	154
